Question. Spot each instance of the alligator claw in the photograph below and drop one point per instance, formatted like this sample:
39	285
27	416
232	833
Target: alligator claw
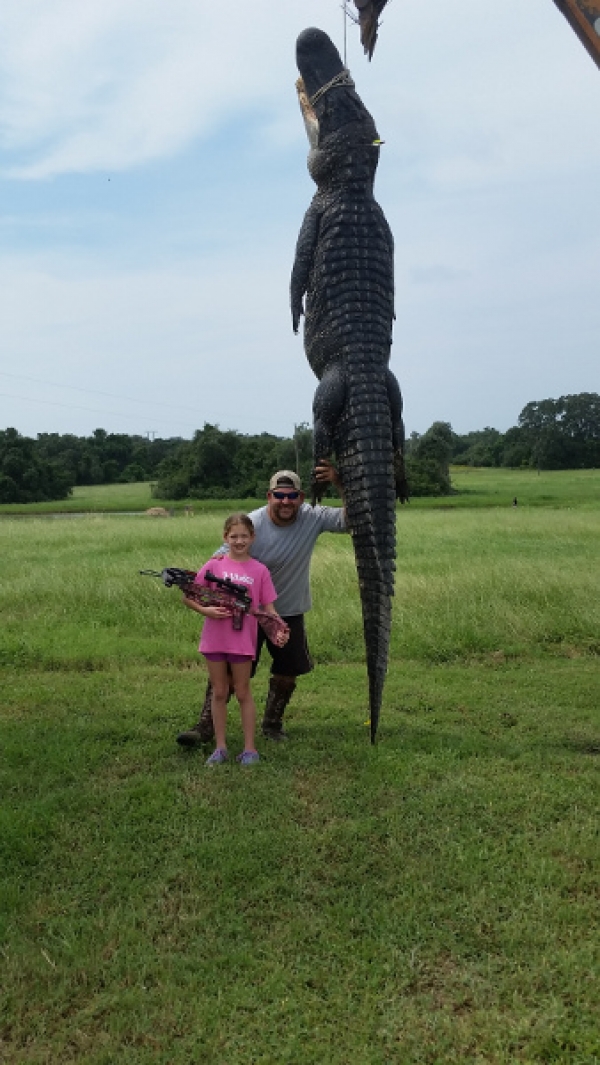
317	491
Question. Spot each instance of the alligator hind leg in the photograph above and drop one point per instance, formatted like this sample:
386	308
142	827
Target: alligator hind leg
327	408
395	399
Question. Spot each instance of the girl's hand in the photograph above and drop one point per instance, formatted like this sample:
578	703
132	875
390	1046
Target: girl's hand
282	638
216	612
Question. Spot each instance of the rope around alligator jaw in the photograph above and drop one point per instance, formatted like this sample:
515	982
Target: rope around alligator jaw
343	78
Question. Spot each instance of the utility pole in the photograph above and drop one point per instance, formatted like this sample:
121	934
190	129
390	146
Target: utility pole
296	448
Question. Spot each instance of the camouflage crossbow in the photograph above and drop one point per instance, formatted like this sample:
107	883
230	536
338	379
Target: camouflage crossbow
226	594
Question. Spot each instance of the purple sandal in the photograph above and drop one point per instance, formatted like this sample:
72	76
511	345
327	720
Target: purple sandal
248	758
218	757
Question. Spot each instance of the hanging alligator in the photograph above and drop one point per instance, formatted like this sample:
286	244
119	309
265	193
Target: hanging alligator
582	15
344	271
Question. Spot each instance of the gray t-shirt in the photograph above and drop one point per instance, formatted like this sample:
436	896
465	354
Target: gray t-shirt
286	551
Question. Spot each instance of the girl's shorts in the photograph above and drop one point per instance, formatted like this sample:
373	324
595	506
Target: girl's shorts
235	659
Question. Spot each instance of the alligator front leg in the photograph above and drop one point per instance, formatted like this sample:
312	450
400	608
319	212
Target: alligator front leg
327	408
305	251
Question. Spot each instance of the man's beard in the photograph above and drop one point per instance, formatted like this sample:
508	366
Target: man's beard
287	517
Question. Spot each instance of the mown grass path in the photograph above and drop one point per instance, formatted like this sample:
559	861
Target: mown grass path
432	899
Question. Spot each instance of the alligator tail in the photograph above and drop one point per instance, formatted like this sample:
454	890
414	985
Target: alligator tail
365	456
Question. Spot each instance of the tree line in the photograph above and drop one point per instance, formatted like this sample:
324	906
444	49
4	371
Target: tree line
551	434
48	468
216	464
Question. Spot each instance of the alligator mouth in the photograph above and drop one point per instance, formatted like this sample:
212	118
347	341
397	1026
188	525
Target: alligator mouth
311	122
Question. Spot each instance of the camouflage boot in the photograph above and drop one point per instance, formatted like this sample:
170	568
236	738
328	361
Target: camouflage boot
203	731
281	690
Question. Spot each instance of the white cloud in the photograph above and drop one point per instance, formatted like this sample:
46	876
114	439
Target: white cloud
109	85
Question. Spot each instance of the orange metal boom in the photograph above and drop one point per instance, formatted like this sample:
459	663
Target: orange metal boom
584	17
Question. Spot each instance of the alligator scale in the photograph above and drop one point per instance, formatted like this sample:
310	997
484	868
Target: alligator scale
344	271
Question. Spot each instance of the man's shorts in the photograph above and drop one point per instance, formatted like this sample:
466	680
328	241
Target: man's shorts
292	660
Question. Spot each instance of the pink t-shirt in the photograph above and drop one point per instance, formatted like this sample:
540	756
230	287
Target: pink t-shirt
218	634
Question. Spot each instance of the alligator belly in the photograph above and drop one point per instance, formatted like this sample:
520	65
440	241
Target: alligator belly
350	296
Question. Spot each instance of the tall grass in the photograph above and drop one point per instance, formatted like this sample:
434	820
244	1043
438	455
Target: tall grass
469	583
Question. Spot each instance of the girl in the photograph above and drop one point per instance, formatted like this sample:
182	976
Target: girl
227	649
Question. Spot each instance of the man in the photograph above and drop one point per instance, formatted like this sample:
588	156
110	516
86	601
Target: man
286	529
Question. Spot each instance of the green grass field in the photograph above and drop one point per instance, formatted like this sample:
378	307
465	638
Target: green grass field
432	899
474	487
107	498
549	488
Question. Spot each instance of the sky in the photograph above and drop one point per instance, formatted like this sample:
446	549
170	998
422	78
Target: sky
153	181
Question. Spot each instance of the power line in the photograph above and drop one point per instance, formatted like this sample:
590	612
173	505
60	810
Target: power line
97	392
111	413
92	391
75	406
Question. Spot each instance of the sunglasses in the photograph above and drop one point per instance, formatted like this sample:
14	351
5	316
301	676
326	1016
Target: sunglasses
285	495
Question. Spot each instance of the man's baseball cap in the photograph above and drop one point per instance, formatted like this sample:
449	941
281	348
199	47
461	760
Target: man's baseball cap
285	479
